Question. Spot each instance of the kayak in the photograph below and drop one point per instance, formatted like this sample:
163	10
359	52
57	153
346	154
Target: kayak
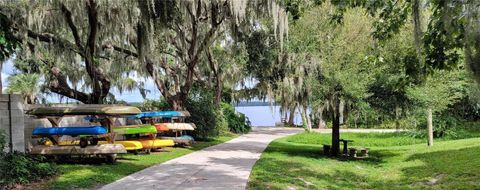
106	110
133	130
63	143
184	140
161	127
72	131
129	145
180	126
156	143
162	114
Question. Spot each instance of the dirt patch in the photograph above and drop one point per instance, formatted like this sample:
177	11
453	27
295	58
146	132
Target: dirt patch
37	185
307	183
433	181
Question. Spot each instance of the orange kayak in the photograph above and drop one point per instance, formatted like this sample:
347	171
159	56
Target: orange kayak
161	127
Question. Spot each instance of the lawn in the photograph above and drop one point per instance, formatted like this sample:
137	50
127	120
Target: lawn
86	176
397	161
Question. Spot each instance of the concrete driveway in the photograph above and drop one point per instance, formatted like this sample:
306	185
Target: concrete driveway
223	166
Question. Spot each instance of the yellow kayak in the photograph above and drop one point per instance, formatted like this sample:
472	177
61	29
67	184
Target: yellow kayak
129	145
75	142
156	143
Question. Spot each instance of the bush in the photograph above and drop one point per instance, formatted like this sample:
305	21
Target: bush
18	167
22	168
237	122
202	113
222	123
444	126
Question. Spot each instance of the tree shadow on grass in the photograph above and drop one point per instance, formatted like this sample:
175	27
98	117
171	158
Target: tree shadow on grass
376	157
280	174
449	169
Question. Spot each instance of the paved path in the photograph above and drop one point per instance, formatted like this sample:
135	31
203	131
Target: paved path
223	166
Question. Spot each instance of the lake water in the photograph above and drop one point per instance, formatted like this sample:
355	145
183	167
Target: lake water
264	115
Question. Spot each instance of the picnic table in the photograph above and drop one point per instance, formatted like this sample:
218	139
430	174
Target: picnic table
345	146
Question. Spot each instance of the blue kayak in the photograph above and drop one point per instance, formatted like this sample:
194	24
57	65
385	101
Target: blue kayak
162	114
72	131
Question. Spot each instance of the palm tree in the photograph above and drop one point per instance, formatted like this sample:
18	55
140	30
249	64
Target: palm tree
26	85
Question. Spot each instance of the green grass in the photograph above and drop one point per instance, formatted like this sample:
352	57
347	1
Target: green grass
86	176
396	161
359	139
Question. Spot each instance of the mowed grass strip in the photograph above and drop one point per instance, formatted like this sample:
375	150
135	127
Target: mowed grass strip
87	176
296	162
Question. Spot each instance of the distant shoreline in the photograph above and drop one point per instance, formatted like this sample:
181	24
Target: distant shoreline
250	104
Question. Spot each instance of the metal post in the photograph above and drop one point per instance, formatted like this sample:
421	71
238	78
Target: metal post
10	144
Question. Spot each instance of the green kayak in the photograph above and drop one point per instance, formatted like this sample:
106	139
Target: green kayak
126	130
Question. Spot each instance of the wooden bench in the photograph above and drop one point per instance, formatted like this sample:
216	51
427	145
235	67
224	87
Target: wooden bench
352	152
364	152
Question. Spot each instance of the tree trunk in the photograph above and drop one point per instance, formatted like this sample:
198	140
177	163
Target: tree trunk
307	117
335	111
430	126
304	119
397	117
321	123
177	103
341	112
218	79
218	92
291	116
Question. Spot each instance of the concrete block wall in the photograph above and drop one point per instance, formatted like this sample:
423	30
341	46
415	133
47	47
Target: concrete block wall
12	121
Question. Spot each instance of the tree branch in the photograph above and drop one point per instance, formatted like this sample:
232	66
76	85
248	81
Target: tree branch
73	28
93	23
60	86
122	50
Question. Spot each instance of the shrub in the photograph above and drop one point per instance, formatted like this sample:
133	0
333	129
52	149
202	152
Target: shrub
202	113
444	126
222	123
18	167
22	168
237	122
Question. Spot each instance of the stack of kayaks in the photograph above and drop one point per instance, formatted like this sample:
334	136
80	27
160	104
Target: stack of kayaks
165	127
87	137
